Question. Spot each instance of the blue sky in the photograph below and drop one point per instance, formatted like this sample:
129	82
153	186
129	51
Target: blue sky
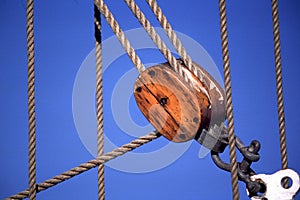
64	38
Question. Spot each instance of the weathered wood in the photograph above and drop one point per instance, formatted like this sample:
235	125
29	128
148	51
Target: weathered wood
217	97
177	109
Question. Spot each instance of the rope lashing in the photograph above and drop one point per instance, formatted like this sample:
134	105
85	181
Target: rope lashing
90	164
120	35
229	108
31	101
99	101
279	88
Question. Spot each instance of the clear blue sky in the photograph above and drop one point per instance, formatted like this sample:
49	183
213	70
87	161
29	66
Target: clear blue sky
64	38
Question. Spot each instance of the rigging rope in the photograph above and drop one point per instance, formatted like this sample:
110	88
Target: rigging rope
101	159
31	102
173	38
120	35
90	164
279	88
154	36
99	101
101	6
229	108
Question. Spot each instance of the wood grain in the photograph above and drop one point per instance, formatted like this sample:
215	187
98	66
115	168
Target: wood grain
175	108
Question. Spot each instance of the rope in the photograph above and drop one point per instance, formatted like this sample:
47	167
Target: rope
229	109
154	36
31	102
279	88
120	35
90	164
173	38
99	101
101	6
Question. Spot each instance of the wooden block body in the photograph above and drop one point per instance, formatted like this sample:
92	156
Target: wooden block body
176	108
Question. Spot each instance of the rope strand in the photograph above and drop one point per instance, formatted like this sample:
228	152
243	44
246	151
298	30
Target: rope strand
153	35
102	7
99	101
90	164
173	38
279	88
31	102
101	159
229	108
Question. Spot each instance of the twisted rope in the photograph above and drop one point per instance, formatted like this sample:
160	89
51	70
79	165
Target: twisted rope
154	36
99	101
279	88
31	102
90	164
173	38
229	109
120	35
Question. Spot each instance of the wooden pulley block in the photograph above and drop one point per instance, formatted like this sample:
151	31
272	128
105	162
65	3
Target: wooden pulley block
177	108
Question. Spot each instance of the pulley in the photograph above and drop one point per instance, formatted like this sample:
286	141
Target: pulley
186	107
183	107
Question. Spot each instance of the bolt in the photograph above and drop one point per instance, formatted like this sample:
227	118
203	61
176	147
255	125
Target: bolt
163	101
196	120
139	89
182	136
151	73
